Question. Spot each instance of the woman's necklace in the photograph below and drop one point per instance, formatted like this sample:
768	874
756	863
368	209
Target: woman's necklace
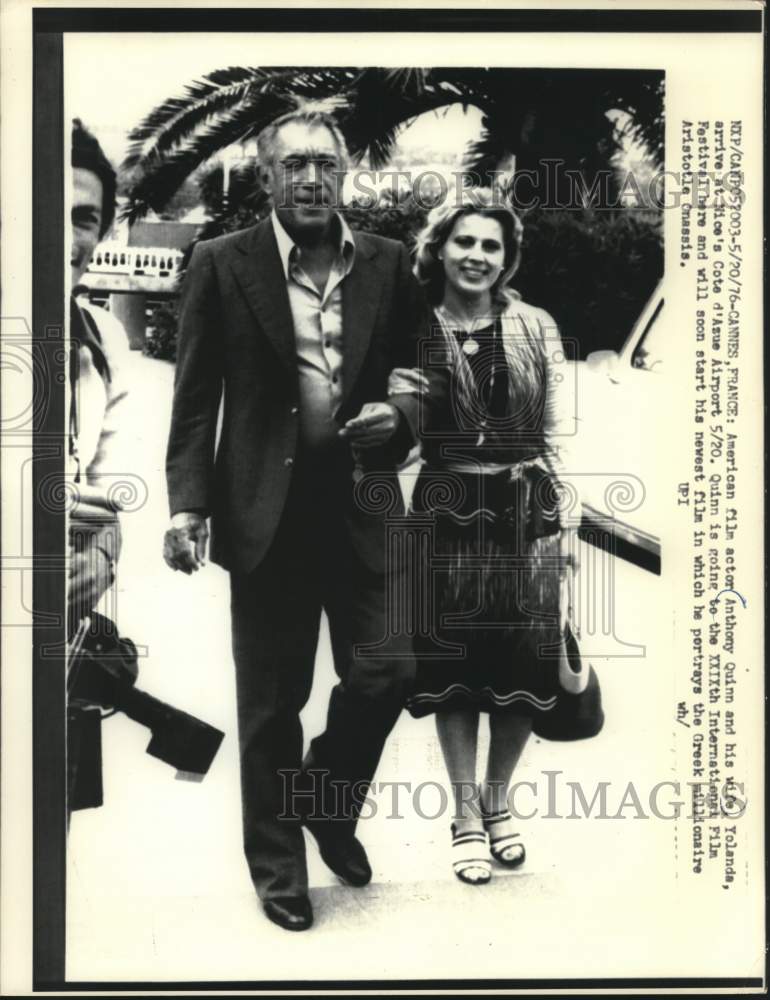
470	346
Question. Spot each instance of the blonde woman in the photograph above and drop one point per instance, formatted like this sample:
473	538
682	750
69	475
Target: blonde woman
490	486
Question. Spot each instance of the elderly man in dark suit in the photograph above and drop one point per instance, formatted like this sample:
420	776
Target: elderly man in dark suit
299	321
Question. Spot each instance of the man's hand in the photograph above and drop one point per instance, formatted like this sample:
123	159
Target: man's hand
375	425
184	545
91	573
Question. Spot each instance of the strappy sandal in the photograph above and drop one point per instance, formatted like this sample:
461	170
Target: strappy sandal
470	849
503	839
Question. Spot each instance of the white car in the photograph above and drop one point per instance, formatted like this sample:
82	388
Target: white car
613	454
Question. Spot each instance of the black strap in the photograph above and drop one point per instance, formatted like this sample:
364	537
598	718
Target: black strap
83	333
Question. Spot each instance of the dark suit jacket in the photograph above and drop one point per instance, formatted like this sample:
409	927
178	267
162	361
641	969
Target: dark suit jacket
236	334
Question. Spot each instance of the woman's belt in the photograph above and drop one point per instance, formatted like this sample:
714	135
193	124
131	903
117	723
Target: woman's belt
519	496
486	468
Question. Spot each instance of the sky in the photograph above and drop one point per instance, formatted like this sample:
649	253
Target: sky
111	85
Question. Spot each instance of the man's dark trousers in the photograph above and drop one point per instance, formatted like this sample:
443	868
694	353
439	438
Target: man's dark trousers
276	612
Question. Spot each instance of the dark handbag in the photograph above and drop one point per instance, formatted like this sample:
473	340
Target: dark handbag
578	713
528	502
542	503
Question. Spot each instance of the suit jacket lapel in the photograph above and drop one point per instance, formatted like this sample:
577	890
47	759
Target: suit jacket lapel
257	267
361	293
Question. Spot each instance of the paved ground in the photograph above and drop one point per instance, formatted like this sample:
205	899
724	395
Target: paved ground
158	888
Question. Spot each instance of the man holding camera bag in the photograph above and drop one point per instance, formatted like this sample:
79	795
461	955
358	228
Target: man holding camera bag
102	665
98	395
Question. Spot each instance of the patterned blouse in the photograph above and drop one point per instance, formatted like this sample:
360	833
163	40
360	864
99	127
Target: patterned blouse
503	391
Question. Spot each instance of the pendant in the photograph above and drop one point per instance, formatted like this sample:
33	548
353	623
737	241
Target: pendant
470	346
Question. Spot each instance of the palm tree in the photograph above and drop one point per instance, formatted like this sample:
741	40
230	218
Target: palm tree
534	116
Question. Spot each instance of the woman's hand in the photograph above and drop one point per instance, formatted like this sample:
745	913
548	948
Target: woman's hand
407	380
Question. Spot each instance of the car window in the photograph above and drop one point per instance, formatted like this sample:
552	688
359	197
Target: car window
648	353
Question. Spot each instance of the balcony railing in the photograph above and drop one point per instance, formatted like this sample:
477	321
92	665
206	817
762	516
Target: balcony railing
150	262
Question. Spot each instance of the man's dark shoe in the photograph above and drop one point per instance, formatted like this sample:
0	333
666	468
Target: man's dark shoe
293	913
341	852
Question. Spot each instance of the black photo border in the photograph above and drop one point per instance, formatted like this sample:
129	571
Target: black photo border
49	25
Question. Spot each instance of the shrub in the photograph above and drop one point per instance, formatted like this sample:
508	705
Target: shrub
161	337
592	271
399	222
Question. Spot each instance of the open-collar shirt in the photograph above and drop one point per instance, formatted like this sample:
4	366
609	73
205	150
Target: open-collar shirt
317	319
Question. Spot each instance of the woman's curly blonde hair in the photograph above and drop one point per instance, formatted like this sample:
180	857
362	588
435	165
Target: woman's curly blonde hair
441	221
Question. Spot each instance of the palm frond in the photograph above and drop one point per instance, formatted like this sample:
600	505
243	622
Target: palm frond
160	180
532	114
408	81
386	101
646	123
482	156
247	102
226	84
218	92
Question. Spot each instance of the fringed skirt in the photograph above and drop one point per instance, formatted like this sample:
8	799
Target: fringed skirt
491	626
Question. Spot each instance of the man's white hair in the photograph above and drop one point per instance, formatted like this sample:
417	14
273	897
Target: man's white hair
317	114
